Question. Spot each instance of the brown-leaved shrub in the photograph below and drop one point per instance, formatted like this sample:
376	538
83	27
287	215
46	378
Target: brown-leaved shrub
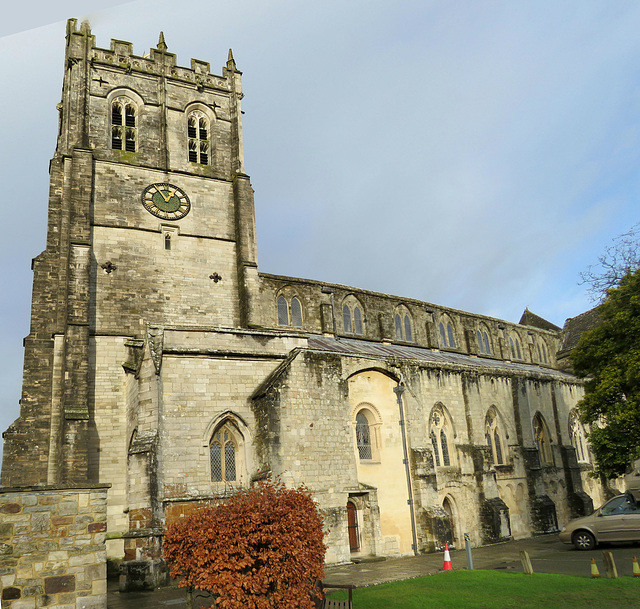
263	548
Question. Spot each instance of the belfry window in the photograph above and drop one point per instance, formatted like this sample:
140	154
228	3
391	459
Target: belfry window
123	125
223	456
198	135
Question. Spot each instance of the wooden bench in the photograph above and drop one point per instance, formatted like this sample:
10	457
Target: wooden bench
332	604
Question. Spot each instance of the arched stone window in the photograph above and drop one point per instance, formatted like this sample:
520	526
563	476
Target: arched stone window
494	434
447	334
484	344
198	137
578	437
442	436
296	313
352	316
224	453
367	428
514	343
289	315
542	439
403	325
124	124
346	319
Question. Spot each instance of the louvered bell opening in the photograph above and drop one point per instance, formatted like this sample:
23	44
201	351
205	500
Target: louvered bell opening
202	129
193	151
130	116
191	128
204	153
130	141
116	115
116	138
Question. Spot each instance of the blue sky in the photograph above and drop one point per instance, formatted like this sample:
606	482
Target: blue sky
474	154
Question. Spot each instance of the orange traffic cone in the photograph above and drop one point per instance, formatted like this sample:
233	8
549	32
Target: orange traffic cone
594	569
447	558
636	568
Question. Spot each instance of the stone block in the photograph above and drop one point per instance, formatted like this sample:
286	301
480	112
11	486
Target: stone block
59	585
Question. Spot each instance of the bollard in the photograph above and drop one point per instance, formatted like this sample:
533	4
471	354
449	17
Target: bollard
467	545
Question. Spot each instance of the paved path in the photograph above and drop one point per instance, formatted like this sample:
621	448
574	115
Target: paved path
547	555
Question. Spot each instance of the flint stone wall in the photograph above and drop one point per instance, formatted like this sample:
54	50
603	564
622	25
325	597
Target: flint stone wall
52	547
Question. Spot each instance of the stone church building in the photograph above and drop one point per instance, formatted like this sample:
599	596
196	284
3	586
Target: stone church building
161	361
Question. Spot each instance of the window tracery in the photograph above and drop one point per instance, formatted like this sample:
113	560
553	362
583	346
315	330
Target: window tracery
198	137
542	439
494	434
223	454
447	334
352	316
403	325
289	315
578	438
124	125
441	435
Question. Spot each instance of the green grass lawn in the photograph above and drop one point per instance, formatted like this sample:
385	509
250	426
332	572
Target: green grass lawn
498	590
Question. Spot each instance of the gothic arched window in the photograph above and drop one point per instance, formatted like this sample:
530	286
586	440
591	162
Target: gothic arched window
363	436
494	435
447	335
289	316
223	455
403	325
441	434
542	439
123	125
578	438
346	319
198	136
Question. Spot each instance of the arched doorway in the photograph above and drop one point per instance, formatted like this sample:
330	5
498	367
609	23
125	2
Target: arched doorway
447	506
352	525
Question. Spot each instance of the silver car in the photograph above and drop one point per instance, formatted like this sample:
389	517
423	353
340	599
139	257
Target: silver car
616	520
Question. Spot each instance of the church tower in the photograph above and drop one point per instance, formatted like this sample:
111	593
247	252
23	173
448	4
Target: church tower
151	223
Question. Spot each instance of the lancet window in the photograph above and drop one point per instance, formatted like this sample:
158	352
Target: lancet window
441	435
494	435
542	439
578	438
404	330
289	314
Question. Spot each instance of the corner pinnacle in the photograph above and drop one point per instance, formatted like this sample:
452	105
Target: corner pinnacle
231	62
162	45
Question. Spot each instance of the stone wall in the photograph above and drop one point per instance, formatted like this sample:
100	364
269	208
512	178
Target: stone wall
52	547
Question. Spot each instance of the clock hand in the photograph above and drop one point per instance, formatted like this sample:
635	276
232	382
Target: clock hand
166	199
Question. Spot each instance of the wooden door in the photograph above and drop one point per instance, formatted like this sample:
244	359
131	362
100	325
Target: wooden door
352	523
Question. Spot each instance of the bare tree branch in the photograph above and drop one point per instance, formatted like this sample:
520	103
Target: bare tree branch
618	260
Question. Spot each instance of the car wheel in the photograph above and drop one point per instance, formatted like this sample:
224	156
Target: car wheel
583	540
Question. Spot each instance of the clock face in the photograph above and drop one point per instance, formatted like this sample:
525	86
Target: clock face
166	201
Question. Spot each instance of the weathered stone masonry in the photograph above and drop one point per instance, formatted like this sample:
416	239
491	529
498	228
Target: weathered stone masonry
52	547
160	360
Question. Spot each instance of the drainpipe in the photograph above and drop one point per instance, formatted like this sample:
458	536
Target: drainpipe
399	390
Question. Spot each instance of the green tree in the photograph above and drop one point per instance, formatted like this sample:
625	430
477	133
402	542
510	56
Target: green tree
263	548
608	357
